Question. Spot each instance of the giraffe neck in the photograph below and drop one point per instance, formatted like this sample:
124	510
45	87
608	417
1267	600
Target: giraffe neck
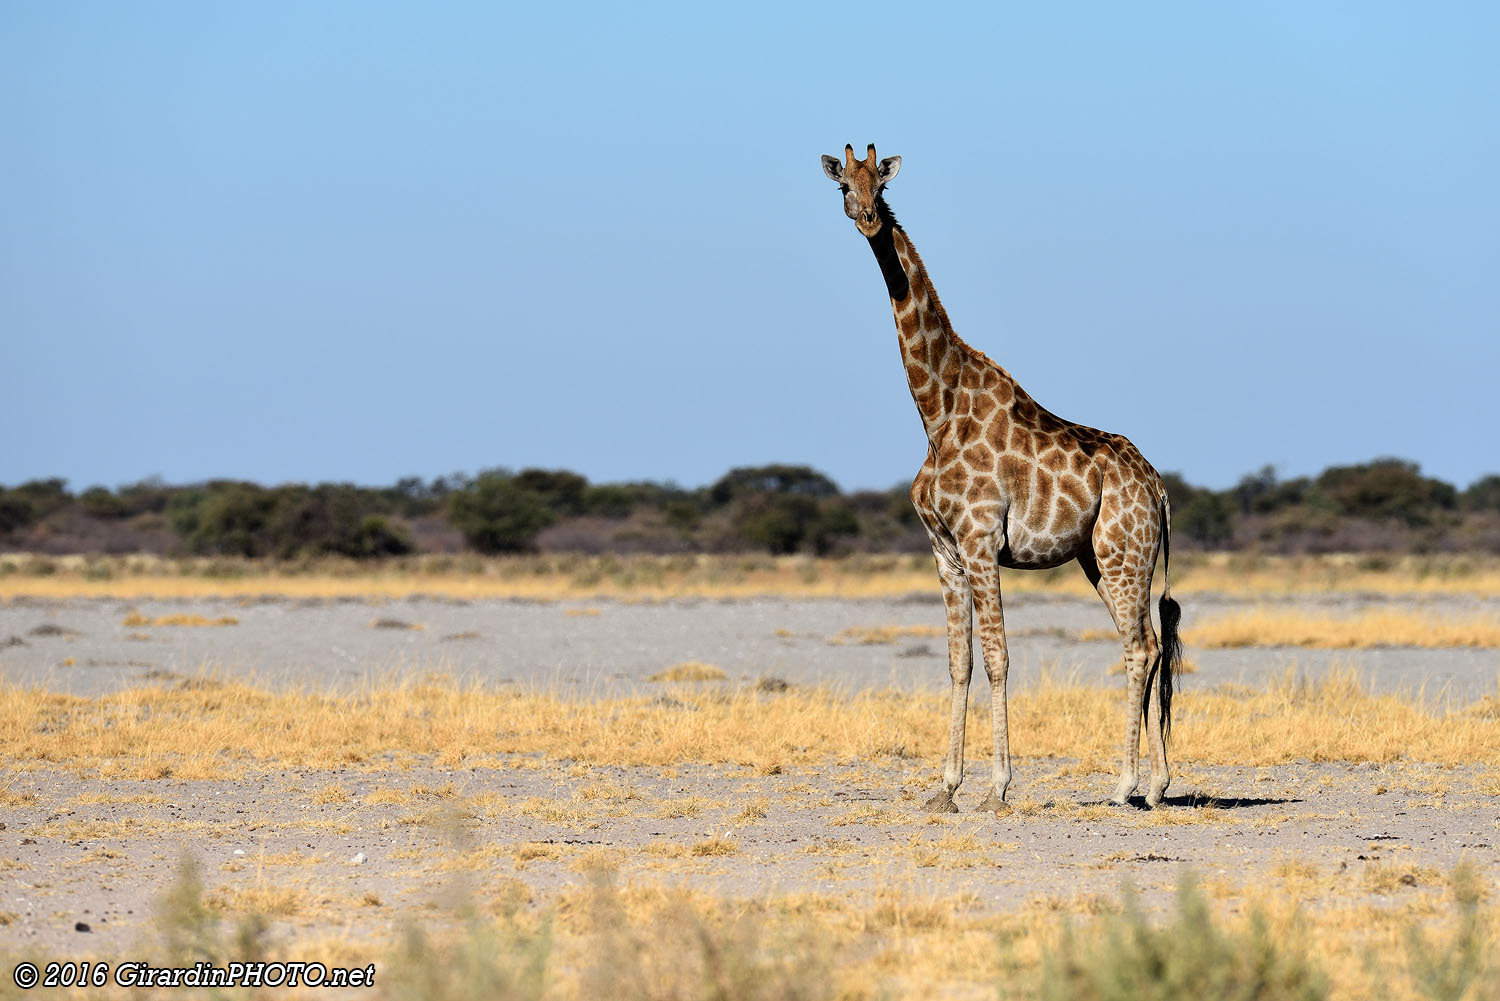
933	354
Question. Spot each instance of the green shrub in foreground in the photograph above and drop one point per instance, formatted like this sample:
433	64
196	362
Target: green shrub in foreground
1126	958
1457	970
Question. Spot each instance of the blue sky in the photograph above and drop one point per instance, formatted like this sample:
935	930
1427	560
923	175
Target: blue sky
320	241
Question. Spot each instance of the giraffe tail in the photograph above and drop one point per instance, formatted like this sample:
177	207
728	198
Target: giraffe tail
1171	617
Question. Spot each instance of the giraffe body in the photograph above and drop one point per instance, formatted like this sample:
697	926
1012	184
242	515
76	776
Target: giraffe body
1006	483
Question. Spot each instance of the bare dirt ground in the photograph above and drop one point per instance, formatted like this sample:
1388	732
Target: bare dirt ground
357	852
360	866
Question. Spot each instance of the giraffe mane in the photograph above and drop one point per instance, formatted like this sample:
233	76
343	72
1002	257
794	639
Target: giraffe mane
884	208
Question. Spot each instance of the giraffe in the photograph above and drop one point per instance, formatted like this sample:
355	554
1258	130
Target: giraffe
1008	484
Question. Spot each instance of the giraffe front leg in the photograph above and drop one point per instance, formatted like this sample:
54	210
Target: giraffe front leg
985	577
956	598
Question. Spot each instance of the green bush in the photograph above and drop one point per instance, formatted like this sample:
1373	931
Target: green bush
559	491
1206	518
683	514
15	511
1483	494
148	496
497	516
899	508
784	509
101	502
1126	958
1202	515
835	521
1386	488
224	518
377	536
243	519
620	500
44	496
777	524
29	503
332	518
411	498
1262	493
743	481
783	524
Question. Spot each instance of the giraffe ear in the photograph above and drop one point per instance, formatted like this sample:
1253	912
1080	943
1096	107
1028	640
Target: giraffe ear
833	169
889	167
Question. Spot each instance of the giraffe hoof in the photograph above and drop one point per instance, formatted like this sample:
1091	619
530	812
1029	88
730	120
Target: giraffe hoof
941	802
1155	796
993	803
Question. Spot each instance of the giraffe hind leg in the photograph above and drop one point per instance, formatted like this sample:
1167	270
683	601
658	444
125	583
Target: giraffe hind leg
1127	596
1138	642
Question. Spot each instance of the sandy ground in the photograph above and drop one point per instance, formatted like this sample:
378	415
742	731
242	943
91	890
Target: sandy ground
361	870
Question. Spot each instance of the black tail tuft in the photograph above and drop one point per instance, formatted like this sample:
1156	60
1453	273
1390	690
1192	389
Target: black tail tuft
1171	658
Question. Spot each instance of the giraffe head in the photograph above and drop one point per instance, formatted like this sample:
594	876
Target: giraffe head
861	182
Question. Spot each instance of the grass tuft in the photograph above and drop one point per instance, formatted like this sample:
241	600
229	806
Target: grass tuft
873	635
136	620
690	670
715	846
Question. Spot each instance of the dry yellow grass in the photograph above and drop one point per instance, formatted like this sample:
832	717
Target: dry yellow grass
534	850
755	809
271	901
9	797
136	619
1184	666
221	730
568	576
690	670
872	635
1265	627
872	813
716	845
331	793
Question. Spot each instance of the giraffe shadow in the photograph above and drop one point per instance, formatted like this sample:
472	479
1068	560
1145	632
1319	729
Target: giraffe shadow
1198	801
